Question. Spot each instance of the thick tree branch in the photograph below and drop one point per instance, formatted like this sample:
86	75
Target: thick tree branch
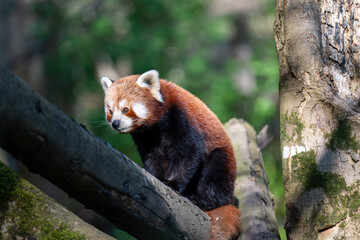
55	146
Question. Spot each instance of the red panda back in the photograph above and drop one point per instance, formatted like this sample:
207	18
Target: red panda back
201	117
197	112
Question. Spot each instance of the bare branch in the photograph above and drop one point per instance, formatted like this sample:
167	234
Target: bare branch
264	137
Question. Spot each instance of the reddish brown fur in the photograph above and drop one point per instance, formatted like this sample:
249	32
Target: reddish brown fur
212	128
108	116
132	114
225	222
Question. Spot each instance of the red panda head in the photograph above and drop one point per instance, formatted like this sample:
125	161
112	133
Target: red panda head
132	102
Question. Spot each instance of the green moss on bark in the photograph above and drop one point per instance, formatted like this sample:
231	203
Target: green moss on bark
306	170
62	232
8	184
353	202
341	199
342	138
26	215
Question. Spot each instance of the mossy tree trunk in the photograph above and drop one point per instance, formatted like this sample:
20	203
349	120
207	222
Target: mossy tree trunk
318	52
27	213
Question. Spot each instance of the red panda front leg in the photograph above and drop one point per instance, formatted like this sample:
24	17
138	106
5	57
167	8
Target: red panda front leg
176	175
180	174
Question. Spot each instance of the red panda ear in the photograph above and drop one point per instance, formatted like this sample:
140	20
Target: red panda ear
106	83
151	81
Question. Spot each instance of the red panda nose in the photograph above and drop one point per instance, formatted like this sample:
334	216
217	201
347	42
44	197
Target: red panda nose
115	124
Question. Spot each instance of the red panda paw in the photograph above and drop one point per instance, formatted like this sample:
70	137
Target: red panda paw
225	223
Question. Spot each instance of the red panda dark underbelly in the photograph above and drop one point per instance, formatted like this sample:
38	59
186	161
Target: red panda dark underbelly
176	153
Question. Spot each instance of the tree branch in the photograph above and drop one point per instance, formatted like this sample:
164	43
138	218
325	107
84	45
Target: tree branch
258	221
54	145
88	169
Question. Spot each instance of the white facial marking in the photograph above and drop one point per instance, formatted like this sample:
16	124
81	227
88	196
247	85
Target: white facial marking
140	110
116	115
125	123
122	103
108	105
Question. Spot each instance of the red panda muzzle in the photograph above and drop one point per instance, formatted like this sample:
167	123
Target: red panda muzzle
115	124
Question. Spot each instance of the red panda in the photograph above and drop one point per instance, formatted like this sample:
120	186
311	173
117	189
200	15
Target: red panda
181	142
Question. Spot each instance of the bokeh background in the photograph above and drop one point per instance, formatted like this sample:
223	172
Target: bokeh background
223	51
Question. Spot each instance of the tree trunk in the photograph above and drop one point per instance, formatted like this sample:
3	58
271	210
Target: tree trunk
27	213
318	52
258	221
91	171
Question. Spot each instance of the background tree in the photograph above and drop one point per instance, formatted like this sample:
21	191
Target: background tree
318	51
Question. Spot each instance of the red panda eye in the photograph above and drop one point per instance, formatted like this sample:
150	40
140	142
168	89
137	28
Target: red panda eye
125	110
110	112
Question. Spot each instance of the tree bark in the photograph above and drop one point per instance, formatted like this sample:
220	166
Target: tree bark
91	171
318	52
258	221
27	213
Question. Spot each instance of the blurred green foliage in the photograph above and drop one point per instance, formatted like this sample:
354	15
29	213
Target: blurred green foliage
179	39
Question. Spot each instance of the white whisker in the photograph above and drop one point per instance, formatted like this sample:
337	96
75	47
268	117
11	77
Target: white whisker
100	123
